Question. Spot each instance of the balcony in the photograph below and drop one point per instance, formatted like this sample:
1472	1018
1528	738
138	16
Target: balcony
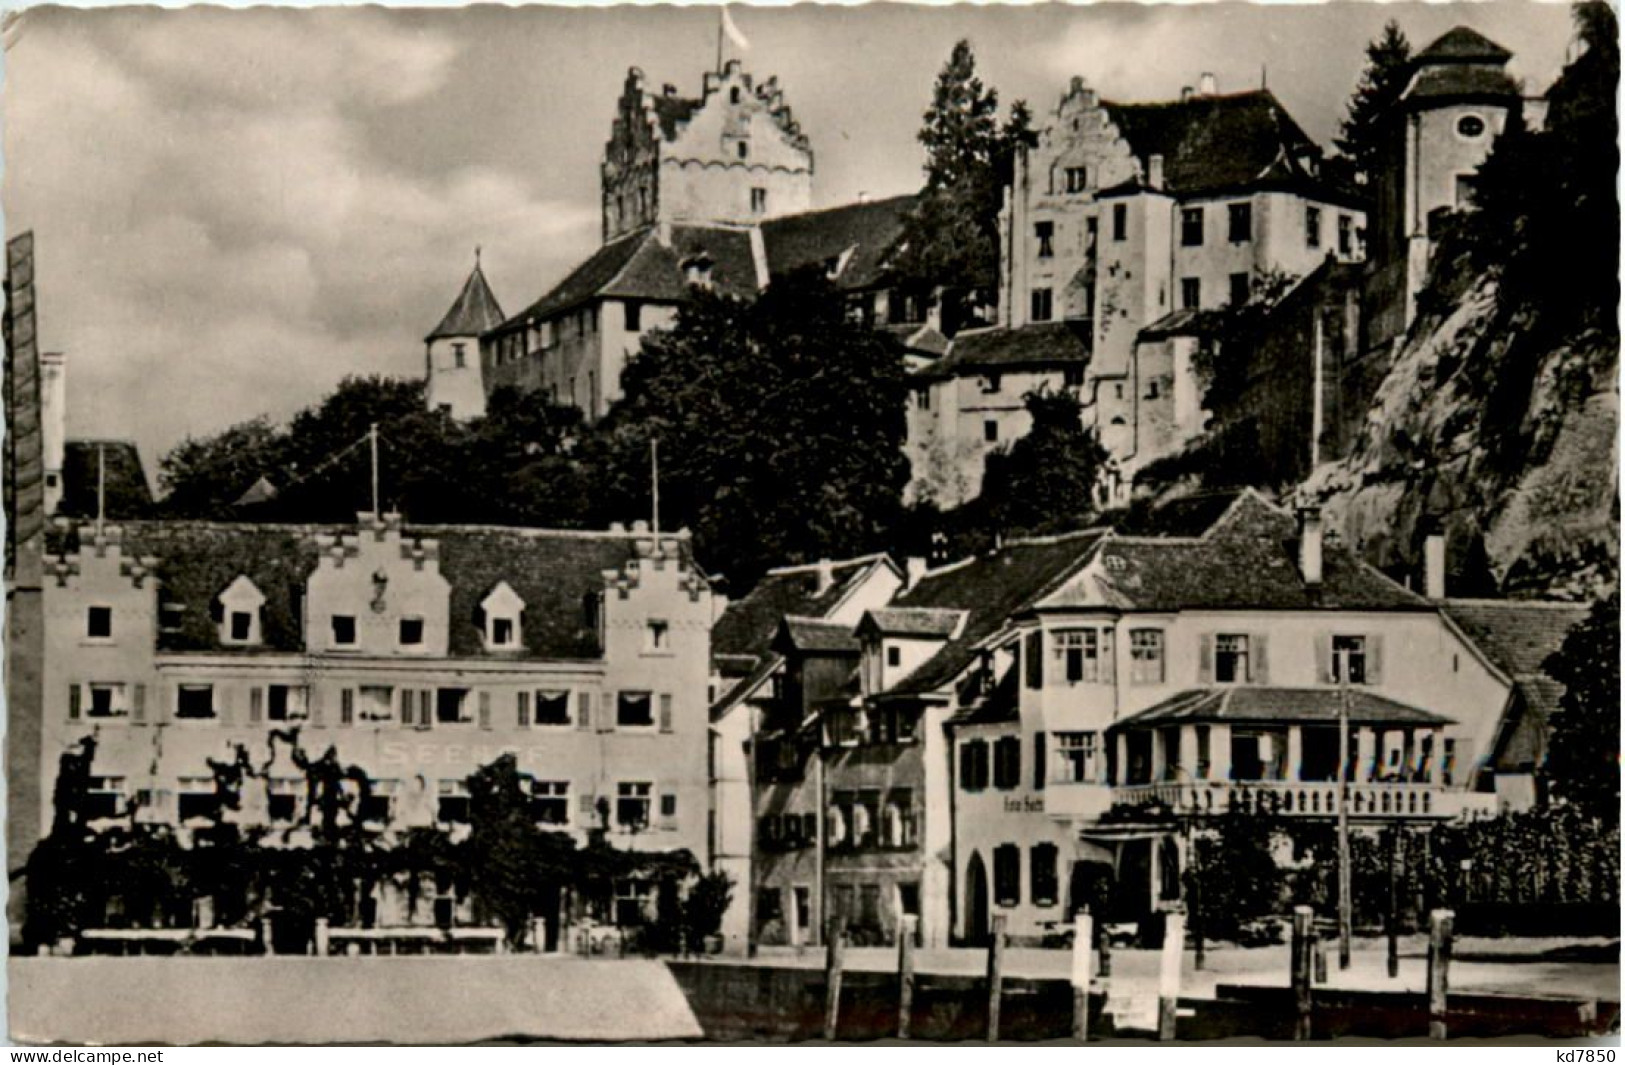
1367	801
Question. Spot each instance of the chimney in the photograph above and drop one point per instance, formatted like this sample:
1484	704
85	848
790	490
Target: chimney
1310	545
1153	172
826	575
53	414
1185	94
1210	84
916	568
1433	565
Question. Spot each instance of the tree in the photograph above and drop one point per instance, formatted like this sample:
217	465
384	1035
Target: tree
1367	128
510	862
1582	762
780	425
950	241
1045	481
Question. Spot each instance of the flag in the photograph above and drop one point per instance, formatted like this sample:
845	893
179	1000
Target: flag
732	31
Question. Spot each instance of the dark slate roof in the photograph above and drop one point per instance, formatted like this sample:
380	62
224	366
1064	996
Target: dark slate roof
1184	322
1038	344
1246	561
912	621
999	706
1445	83
817	636
1517	635
672	111
991	589
869	230
1299	705
1462	44
475	311
552	571
126	493
1212	143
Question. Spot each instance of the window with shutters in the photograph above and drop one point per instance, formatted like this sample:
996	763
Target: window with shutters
451	706
1044	880
1231	659
1145	656
376	703
550	802
1352	650
634	710
1007	763
553	707
104	797
1007	874
1076	758
973	764
99	623
106	700
633	802
194	701
1081	655
453	807
286	702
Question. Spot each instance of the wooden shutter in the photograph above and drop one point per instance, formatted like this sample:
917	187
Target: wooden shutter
139	710
425	709
406	708
523	701
1258	658
665	711
584	710
606	720
316	706
1323	657
1038	760
485	710
75	695
1204	659
347	706
222	704
1373	659
256	704
1035	659
809	828
1108	656
586	812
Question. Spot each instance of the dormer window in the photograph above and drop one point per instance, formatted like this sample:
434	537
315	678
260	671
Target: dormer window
697	271
240	613
99	623
502	609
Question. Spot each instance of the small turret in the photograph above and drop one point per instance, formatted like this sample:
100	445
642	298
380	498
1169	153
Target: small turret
455	383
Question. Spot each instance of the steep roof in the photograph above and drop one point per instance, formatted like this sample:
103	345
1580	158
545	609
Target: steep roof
1462	65
552	571
1264	705
867	230
912	621
1212	143
1462	45
817	636
1517	635
1037	344
117	463
474	311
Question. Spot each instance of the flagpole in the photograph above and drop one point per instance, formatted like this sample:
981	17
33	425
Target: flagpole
722	13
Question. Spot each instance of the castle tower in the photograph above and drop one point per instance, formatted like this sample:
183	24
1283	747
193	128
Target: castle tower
455	383
1459	99
735	155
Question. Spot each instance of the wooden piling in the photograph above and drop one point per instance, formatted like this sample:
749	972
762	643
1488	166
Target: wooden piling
1173	954
1441	927
1392	921
905	972
1083	934
1302	923
834	958
995	977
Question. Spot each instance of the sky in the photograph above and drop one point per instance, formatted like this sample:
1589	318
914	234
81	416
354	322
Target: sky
235	209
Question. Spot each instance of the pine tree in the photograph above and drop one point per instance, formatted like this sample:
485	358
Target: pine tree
1045	481
1582	763
1387	69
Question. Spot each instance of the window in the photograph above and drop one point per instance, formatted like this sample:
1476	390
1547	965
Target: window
1075	758
1190	227
194	701
973	765
634	315
898	830
284	702
196	799
242	626
553	707
1043	304
1119	221
343	630
1230	659
449	706
733	95
379	802
1044	879
1350	649
1345	235
1045	233
1077	179
1311	226
1448	767
1145	656
377	702
633	802
1072	377
992	383
459	355
502	632
1469	127
411	632
634	710
1241	223
894	656
454	801
990	431
1241	289
550	802
758	201
282	801
744	149
1190	293
1007	874
1204	751
1007	762
922	398
99	623
104	797
1466	191
769	905
657	637
668	807
1080	654
107	700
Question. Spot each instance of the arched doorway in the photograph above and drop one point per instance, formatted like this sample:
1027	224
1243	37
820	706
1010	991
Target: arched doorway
975	901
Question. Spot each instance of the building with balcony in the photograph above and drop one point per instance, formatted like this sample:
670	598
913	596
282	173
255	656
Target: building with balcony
416	654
